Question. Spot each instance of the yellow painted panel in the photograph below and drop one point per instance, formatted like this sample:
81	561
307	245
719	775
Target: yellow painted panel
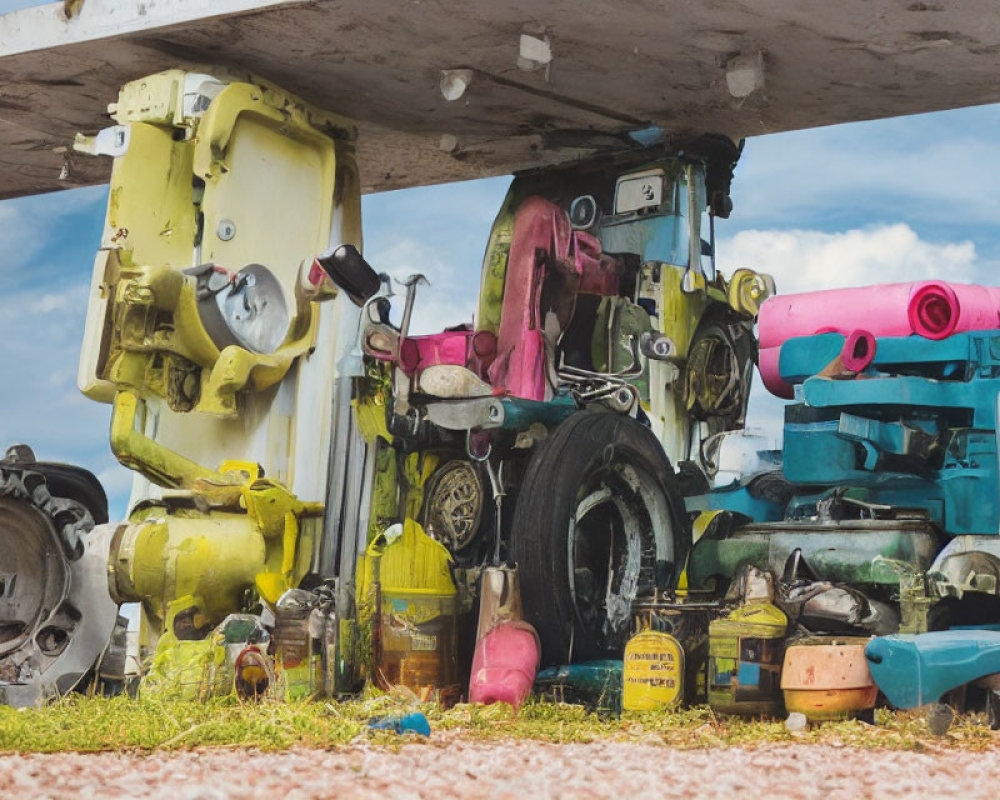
153	219
269	179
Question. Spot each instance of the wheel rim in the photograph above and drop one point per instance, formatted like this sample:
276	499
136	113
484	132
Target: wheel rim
620	529
33	573
454	505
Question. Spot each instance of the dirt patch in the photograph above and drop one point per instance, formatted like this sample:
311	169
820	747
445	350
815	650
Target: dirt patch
449	767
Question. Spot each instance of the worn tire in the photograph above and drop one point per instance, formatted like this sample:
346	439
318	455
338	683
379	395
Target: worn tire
598	510
76	483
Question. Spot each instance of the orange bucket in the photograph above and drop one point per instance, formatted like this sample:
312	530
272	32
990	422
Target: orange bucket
827	678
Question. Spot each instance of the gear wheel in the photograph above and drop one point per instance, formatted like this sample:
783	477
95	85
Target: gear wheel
56	614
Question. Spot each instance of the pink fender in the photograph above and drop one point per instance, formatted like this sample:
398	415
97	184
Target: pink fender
519	368
599	273
464	348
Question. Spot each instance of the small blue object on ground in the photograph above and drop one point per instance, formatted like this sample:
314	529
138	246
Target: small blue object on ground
410	723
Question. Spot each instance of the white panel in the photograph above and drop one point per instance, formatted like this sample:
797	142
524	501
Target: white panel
48	26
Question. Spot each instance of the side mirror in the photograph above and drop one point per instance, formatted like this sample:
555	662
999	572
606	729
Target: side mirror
349	270
721	204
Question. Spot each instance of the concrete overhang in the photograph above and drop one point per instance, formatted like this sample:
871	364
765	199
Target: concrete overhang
741	67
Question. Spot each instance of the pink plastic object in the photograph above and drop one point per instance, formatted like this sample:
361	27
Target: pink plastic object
464	348
539	227
934	309
599	273
505	663
449	347
858	352
767	363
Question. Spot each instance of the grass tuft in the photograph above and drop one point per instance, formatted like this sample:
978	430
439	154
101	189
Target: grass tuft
84	724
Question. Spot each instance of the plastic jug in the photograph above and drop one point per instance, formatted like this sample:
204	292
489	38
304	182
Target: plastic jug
418	611
507	649
653	672
505	663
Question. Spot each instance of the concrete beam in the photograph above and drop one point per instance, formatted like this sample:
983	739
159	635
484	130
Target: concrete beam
740	67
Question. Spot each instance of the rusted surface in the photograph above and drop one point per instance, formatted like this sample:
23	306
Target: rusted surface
450	768
616	66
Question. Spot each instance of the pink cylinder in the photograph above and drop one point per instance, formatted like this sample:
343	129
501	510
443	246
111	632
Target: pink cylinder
859	351
933	309
767	363
857	354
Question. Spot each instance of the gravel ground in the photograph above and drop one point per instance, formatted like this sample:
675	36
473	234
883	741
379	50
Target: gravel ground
444	768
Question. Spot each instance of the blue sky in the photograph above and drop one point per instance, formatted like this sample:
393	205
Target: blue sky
891	200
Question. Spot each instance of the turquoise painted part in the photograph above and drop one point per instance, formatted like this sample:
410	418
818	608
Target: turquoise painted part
912	670
521	414
409	723
979	397
655	238
738	499
587	676
802	357
871	433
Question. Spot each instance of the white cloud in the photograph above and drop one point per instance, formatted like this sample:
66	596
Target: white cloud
441	232
33	229
805	260
117	483
61	301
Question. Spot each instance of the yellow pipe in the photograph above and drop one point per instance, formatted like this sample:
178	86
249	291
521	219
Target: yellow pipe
149	458
289	540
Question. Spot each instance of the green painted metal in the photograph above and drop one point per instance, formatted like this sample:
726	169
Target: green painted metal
873	552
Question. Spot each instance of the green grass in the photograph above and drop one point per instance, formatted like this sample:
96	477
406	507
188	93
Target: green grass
85	724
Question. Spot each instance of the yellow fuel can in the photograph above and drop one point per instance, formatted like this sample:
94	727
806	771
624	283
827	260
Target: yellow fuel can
653	672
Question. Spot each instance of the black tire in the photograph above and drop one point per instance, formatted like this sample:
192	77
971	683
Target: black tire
76	483
598	510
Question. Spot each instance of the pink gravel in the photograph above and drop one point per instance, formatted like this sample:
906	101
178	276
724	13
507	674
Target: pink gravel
517	770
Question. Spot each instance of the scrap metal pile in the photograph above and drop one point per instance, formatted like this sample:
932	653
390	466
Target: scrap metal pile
505	506
882	518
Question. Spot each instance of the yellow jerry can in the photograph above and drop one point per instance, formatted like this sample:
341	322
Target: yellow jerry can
653	672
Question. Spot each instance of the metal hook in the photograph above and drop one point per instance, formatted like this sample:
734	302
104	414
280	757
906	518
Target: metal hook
473	456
